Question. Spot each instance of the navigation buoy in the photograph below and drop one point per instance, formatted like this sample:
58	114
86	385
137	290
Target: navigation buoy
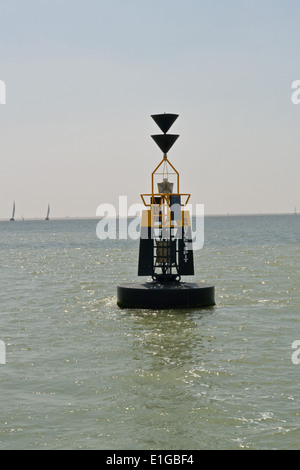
166	250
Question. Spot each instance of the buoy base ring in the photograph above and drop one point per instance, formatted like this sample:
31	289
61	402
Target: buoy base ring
171	295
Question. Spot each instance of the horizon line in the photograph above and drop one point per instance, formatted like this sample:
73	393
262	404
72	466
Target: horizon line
238	214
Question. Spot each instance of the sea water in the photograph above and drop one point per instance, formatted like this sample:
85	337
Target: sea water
80	373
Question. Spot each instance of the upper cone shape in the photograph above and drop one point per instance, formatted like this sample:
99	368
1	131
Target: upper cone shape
164	121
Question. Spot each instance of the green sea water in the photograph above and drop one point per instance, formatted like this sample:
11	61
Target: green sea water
80	373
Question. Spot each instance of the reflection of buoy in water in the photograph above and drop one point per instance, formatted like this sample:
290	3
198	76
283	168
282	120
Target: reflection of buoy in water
166	252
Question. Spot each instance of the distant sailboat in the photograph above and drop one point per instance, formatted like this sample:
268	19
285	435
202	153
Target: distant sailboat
13	213
48	212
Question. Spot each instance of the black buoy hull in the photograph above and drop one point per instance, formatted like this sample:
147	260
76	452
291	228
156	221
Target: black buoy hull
172	295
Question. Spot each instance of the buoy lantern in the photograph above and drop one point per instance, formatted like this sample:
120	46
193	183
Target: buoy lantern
166	250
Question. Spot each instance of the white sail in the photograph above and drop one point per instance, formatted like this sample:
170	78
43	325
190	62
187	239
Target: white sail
48	212
13	213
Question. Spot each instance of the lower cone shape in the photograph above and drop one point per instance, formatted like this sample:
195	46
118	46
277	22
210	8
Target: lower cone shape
165	141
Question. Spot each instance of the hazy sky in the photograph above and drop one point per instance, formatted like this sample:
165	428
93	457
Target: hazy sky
84	76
